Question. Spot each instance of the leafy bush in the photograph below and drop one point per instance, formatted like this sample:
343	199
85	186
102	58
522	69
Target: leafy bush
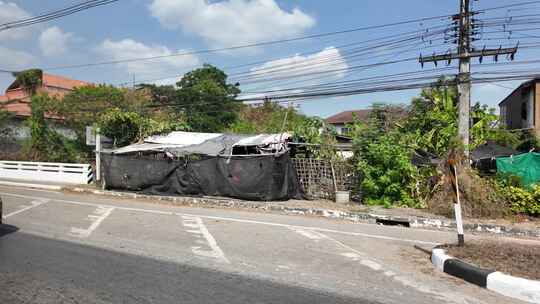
128	127
525	201
6	133
45	144
388	176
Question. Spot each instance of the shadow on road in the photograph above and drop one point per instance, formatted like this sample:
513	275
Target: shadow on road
7	229
54	271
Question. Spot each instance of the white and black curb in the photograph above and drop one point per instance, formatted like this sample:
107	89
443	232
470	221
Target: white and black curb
510	286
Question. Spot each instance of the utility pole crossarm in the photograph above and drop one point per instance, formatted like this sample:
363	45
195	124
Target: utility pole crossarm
465	51
473	54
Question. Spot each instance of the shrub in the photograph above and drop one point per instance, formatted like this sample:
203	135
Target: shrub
388	176
525	201
128	127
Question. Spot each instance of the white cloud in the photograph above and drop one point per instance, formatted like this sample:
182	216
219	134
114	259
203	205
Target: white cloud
329	62
14	59
231	22
10	11
53	41
129	49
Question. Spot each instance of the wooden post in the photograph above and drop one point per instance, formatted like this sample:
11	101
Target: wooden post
333	176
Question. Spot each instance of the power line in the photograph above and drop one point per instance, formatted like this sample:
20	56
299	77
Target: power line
55	14
251	45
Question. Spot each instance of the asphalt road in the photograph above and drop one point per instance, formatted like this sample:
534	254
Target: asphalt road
71	248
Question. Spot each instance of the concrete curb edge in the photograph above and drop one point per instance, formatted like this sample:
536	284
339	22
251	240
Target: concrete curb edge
411	221
510	286
30	185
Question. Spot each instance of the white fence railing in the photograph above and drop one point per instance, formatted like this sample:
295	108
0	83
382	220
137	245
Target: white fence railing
47	172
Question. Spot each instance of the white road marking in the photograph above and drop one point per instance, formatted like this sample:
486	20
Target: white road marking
197	227
33	204
371	264
35	190
362	258
26	185
359	234
309	234
100	214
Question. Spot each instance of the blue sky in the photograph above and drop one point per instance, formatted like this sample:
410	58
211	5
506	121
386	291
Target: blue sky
144	28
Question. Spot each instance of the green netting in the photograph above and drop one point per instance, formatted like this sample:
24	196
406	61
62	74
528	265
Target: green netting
526	166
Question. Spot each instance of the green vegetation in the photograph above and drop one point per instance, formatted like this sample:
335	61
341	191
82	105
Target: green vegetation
384	145
128	127
525	201
45	143
29	80
206	99
6	133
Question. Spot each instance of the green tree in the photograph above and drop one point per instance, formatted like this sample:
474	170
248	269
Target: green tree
206	99
383	155
267	118
6	132
45	143
486	127
29	80
126	127
433	118
85	105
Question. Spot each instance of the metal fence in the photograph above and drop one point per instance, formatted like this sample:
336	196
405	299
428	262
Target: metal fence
321	178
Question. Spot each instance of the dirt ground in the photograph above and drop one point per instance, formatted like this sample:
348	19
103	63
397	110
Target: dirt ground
517	259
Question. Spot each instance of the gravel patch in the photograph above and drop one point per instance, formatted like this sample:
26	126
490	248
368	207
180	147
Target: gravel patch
517	259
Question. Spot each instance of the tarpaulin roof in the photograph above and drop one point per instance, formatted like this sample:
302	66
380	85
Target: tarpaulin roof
491	150
213	144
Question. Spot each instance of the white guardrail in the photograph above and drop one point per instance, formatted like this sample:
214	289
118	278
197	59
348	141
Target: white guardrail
47	172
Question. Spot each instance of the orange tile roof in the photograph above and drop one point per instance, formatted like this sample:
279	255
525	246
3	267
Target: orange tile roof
62	82
20	106
18	109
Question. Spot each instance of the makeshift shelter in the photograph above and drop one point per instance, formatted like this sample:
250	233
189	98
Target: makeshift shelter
526	166
213	164
484	156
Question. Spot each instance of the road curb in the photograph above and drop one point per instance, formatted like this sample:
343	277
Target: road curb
510	286
31	185
409	221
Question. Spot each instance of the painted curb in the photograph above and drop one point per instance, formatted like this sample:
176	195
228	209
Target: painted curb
411	221
32	186
510	286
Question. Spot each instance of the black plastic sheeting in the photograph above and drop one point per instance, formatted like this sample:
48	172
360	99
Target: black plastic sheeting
262	178
484	156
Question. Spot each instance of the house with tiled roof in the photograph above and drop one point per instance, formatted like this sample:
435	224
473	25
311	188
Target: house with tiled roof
340	120
17	101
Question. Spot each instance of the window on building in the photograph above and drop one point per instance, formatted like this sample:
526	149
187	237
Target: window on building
504	116
345	130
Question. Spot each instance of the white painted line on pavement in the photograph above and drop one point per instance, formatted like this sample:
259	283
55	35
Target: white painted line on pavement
359	234
309	234
100	214
33	204
197	227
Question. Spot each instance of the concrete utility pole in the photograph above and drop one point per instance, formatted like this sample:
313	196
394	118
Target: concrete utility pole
465	30
464	76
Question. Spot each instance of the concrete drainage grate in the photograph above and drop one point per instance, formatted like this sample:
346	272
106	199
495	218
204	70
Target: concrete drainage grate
387	222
